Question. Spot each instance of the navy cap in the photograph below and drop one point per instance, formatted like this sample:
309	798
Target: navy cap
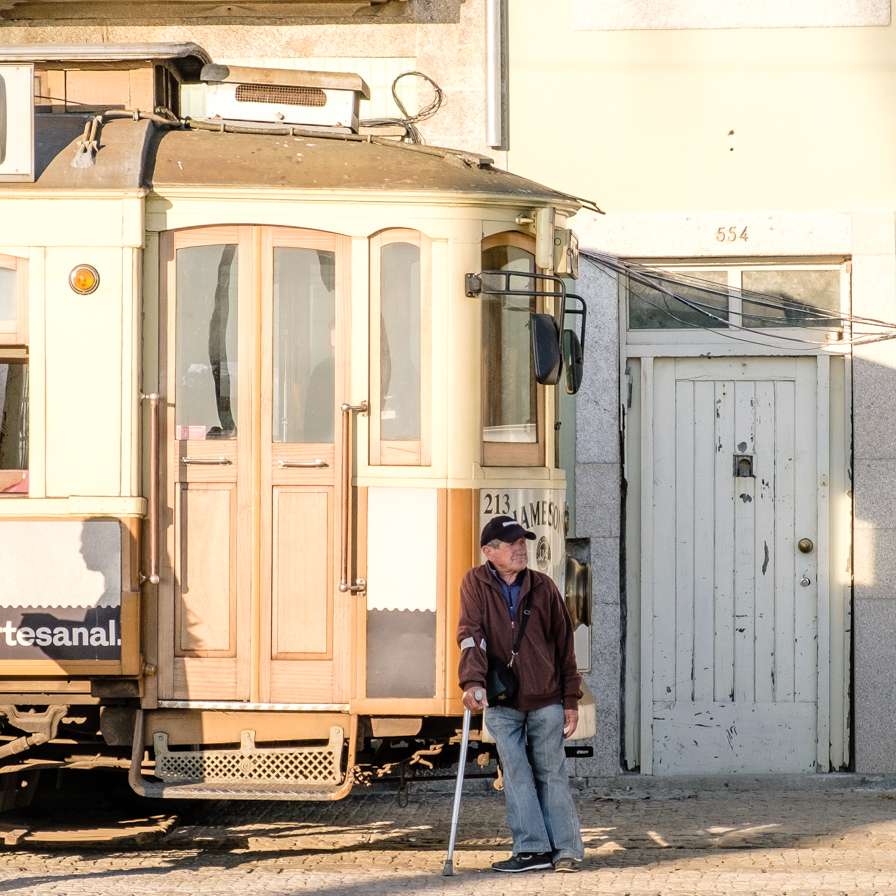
503	528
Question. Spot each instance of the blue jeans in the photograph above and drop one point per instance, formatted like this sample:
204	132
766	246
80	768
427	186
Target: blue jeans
540	809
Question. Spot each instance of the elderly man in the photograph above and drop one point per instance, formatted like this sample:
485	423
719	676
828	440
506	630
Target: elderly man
498	601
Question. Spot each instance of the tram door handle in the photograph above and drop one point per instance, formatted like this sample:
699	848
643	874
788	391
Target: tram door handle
152	516
206	461
359	586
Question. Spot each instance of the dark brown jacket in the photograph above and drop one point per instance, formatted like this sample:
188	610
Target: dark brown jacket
546	665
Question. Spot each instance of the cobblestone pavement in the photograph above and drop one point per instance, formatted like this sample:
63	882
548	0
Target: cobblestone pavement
820	835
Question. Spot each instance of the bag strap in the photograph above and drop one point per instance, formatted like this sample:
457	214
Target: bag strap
520	630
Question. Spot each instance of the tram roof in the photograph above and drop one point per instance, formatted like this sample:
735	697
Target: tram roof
137	154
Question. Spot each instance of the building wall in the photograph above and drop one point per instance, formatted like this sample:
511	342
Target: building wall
679	120
598	501
712	118
444	39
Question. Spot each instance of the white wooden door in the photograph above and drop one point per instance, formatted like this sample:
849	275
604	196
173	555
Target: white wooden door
731	599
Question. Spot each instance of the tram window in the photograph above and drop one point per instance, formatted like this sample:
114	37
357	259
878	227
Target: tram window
8	281
12	301
400	316
207	319
13	427
511	424
304	345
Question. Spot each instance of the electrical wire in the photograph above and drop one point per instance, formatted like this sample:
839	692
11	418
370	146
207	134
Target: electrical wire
752	297
407	121
656	282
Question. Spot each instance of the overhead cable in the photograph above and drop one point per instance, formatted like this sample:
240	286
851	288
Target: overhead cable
664	283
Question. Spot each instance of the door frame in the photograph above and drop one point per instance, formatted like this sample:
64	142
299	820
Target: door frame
833	415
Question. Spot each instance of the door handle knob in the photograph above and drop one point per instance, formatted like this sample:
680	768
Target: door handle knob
805	545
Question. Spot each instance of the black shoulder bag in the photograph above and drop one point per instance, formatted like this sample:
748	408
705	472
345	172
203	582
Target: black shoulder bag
501	683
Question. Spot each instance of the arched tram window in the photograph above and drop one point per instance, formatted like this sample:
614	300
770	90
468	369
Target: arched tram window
512	402
304	345
13	378
206	389
400	377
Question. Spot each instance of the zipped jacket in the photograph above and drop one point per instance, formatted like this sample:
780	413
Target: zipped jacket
546	664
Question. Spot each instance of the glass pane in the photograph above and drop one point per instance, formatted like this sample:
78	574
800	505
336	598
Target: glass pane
509	382
14	428
207	318
795	294
400	342
8	309
650	308
304	345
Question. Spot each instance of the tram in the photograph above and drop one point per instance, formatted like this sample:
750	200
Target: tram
263	376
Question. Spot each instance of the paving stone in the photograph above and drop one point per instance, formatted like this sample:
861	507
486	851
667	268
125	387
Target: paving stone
833	834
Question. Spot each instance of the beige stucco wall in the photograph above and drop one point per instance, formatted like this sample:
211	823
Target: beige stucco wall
787	132
641	120
441	38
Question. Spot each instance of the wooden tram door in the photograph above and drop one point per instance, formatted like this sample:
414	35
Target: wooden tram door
255	362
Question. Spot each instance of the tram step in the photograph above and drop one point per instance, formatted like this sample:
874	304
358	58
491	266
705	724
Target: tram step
268	790
316	772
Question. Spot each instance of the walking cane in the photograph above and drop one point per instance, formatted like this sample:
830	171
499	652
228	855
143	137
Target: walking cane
448	869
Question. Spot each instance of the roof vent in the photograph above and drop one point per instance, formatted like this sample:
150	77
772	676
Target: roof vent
313	99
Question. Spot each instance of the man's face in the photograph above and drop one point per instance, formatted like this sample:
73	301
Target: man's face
508	557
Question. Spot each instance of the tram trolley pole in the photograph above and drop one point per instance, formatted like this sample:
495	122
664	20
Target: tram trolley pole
448	869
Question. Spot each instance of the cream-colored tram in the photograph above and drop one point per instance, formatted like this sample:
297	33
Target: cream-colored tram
258	396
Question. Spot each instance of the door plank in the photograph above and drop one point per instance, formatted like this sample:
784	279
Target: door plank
744	539
684	540
785	546
704	537
806	513
724	543
764	546
645	702
826	668
664	534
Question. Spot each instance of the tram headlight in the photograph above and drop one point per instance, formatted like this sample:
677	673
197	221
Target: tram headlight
84	279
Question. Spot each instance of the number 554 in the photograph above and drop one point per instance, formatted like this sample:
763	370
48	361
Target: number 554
730	234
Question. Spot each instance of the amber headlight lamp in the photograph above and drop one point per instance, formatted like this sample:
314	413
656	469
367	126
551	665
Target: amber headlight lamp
84	279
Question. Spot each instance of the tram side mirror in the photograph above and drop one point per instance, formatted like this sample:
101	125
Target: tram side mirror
546	357
572	360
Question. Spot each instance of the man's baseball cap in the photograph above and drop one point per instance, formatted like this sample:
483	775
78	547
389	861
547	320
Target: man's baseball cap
504	528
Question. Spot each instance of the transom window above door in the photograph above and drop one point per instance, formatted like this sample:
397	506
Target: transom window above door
676	296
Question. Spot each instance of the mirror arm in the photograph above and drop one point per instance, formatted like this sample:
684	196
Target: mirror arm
474	288
582	312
